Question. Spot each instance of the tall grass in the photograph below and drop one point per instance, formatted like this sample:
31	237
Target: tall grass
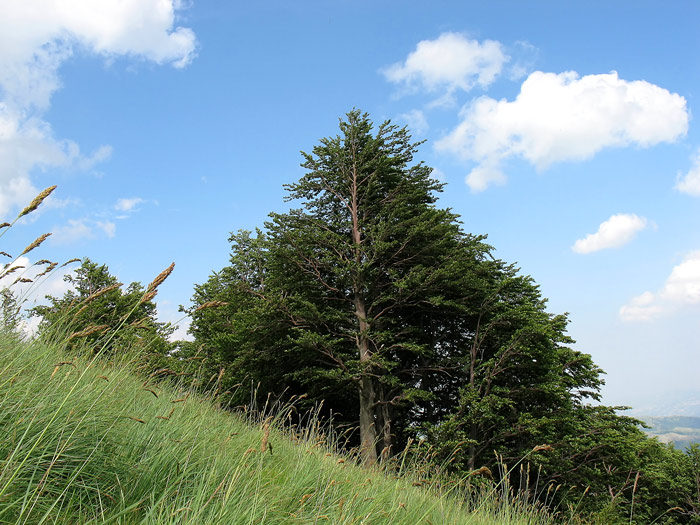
87	441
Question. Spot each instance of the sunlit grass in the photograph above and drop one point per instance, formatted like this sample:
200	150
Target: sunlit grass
86	441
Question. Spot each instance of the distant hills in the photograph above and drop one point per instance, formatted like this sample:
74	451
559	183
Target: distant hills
679	430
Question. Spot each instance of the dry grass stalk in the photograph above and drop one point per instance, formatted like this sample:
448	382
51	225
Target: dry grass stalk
148	296
543	447
11	270
265	443
151	391
182	399
36	243
215	492
59	365
483	471
168	416
70	261
95	295
48	269
22	280
162	276
37	201
90	330
211	304
42	261
6	254
137	420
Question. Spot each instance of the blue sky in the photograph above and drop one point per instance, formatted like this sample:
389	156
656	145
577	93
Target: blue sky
565	132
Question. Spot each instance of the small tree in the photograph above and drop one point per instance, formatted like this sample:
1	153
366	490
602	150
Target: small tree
98	314
10	312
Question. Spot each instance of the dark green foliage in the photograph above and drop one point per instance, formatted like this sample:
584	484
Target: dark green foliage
96	313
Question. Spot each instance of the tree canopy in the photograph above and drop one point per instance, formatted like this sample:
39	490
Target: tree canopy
97	313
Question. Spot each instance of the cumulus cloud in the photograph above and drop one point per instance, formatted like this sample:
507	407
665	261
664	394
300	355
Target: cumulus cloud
681	289
690	182
451	62
563	117
613	233
36	37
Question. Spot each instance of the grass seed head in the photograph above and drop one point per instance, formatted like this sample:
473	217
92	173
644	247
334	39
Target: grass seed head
70	261
6	254
36	243
266	436
37	201
211	304
162	276
48	269
93	329
95	295
148	296
5	225
13	269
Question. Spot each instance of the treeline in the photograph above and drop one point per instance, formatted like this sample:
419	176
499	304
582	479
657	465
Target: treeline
371	300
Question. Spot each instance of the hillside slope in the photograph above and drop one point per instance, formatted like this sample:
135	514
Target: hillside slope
89	442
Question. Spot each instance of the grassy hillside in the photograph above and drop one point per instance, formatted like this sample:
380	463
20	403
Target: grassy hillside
84	441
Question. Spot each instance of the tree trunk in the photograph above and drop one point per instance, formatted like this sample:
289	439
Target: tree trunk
386	432
368	397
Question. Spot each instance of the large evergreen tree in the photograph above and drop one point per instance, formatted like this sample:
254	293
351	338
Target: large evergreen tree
369	287
371	299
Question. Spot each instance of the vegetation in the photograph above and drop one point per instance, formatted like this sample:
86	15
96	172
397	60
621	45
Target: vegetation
371	299
361	359
86	440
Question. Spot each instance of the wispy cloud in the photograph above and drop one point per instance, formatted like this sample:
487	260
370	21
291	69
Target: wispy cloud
562	117
681	289
617	231
77	230
128	205
416	121
36	37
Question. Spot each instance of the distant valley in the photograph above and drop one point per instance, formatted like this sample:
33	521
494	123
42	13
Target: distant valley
679	430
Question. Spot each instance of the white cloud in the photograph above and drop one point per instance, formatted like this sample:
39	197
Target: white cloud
613	233
76	230
36	37
416	121
108	227
451	62
563	117
690	182
128	205
683	285
640	308
681	289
